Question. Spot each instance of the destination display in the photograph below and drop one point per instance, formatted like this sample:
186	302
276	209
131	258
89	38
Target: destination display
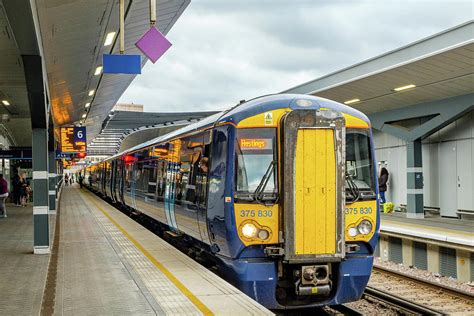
73	139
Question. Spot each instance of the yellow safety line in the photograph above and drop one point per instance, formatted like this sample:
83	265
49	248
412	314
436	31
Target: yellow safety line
200	305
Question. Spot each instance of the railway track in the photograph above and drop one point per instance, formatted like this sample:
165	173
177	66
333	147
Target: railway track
415	295
391	293
402	305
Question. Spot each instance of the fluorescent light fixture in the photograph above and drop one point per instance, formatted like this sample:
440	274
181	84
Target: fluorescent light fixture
88	104
98	70
5	102
351	101
91	93
84	115
405	87
109	39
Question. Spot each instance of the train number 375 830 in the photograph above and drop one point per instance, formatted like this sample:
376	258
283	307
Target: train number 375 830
358	210
256	213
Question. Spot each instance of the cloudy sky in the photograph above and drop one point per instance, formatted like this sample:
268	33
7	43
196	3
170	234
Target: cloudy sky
228	50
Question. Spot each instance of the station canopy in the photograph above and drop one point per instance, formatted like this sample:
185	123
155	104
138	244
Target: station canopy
120	125
438	67
71	37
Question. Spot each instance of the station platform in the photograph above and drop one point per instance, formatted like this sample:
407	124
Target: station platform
105	263
22	274
449	230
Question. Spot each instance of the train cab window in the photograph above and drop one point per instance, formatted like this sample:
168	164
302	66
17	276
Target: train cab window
359	166
256	165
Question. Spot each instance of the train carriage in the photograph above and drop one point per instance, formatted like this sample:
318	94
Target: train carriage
280	191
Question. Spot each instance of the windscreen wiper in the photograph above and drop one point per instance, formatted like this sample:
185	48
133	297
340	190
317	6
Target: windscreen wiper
352	187
259	191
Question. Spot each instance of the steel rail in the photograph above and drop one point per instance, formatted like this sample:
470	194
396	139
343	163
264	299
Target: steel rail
398	302
450	290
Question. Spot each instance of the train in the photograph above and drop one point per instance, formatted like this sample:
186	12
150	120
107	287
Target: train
280	191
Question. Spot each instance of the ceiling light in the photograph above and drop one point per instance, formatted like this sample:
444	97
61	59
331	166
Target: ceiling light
91	93
351	101
405	87
5	102
88	104
109	38
98	70
84	115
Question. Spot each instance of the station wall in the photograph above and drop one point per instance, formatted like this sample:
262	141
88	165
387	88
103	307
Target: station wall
448	166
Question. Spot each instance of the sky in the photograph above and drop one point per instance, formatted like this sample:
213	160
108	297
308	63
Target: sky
229	50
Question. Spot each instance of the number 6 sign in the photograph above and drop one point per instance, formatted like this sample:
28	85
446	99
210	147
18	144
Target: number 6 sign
79	134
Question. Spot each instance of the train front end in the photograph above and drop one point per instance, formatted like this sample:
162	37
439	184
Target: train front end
305	205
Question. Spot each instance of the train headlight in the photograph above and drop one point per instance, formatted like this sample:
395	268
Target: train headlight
353	232
249	230
365	227
263	234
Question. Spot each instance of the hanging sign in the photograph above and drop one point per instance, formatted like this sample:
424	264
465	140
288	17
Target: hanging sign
122	64
73	139
153	44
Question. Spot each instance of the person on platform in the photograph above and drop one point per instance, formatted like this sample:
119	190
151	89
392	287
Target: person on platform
24	190
3	196
81	180
66	179
383	179
16	184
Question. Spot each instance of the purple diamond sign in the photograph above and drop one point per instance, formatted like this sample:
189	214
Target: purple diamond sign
153	44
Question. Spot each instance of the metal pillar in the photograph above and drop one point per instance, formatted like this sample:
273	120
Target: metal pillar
52	182
414	180
41	186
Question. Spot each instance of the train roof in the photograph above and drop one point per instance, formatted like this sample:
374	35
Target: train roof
250	108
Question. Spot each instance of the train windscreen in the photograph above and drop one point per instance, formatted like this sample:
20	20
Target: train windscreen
255	153
359	174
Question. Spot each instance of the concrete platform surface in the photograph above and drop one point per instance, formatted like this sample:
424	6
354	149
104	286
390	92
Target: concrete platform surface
22	274
104	263
455	231
109	264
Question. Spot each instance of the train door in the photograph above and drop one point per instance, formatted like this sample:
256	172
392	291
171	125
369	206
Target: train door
113	180
216	189
120	180
172	168
202	181
128	182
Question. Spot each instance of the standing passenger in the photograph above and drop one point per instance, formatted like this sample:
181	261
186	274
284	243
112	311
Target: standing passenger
81	180
16	184
25	186
383	184
3	196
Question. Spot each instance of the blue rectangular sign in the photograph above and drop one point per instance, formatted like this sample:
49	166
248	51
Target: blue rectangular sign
122	64
80	134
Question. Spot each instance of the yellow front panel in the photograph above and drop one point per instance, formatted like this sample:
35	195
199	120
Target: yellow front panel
315	184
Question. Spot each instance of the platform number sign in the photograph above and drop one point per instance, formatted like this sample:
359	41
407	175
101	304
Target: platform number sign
79	134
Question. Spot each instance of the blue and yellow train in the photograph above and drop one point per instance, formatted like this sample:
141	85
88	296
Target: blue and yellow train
280	191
